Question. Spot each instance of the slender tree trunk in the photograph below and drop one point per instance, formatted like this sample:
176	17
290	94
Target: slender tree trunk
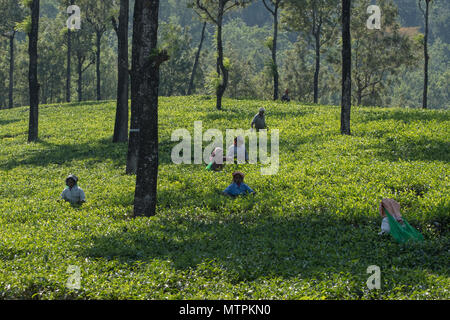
68	78
425	48
346	68
121	124
274	13
317	69
11	70
358	85
98	45
197	57
147	96
359	96
80	78
43	94
69	52
133	140
274	53
221	70
32	72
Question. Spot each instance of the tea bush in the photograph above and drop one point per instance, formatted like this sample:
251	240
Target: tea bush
309	233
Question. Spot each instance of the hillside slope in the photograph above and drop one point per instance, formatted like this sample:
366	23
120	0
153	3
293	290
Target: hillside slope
310	232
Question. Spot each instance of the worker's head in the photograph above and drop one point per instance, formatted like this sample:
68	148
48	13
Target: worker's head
71	180
286	91
238	177
262	111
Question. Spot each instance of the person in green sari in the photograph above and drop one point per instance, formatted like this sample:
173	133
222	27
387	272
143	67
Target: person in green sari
217	160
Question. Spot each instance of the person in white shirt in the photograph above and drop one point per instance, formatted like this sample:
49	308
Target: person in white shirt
237	150
73	193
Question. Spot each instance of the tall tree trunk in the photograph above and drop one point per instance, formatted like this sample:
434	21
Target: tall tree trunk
147	97
221	70
32	72
274	53
317	69
68	74
425	48
11	70
80	78
133	140
69	52
359	85
197	57
275	74
346	68
121	123
98	45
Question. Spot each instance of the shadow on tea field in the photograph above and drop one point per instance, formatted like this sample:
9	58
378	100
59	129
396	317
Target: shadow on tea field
50	153
400	115
271	246
412	149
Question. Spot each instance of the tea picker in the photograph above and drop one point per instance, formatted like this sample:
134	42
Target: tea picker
259	120
393	223
238	187
72	193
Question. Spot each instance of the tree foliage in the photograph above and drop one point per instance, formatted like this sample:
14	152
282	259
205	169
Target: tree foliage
377	54
317	21
214	11
244	32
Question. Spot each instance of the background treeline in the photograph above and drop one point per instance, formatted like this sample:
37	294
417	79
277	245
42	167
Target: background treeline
387	64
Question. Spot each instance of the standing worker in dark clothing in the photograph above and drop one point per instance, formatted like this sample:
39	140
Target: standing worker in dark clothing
259	121
285	97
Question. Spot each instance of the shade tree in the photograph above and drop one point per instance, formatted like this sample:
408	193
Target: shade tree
214	11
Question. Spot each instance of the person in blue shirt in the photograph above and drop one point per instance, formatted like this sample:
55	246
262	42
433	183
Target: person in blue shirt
238	187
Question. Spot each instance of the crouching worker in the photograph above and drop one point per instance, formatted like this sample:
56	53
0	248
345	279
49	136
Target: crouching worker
73	193
393	208
217	160
237	187
395	225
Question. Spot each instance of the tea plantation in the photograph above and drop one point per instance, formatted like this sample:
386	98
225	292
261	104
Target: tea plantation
311	231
